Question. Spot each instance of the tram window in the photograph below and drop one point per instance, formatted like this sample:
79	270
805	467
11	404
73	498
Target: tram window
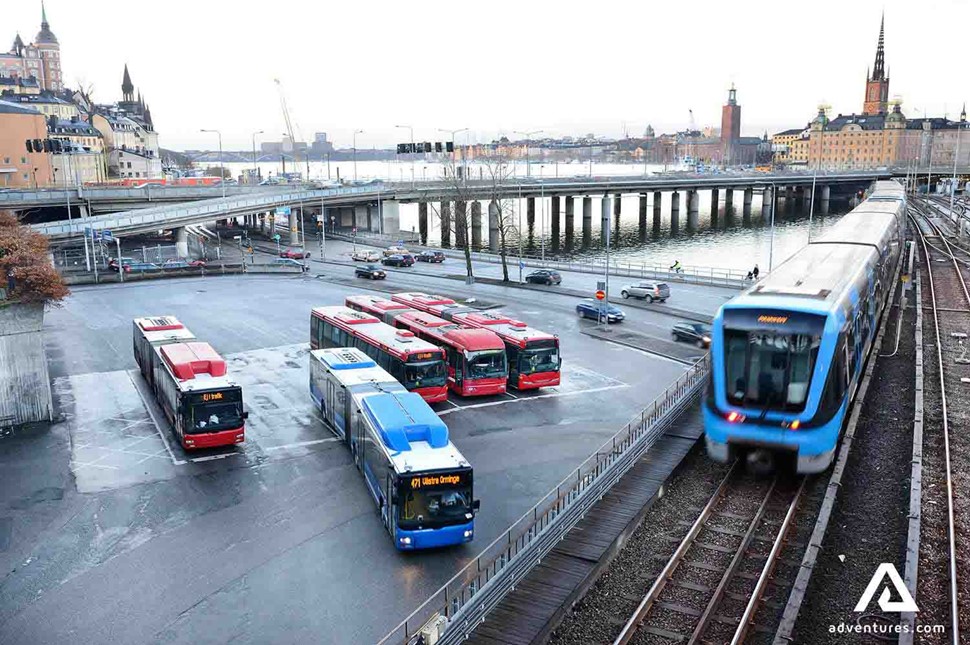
384	361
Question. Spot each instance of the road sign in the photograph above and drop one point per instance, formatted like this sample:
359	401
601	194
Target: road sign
277	237
283	210
600	295
106	234
521	264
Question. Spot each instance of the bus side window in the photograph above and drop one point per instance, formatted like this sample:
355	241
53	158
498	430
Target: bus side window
384	360
314	328
396	367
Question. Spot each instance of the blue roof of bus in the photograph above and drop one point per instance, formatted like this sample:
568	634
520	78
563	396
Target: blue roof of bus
345	358
403	418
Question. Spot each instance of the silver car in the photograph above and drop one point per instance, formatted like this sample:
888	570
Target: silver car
647	290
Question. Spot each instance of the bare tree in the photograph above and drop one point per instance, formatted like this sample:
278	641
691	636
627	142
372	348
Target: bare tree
459	193
498	173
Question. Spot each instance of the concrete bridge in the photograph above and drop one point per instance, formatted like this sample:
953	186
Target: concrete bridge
103	200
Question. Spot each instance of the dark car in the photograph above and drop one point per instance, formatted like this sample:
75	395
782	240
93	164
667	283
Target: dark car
398	260
295	254
430	256
372	271
592	309
544	276
696	333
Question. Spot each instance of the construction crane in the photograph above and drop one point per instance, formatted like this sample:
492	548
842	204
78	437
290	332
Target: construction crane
291	133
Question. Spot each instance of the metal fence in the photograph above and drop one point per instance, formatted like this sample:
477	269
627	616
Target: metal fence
466	599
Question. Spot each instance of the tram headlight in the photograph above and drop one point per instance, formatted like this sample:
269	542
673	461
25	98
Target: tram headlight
406	541
469	533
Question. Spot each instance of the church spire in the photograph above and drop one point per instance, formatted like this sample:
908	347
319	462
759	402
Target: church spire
43	15
127	87
878	70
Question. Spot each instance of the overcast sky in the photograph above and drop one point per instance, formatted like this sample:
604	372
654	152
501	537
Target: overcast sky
563	67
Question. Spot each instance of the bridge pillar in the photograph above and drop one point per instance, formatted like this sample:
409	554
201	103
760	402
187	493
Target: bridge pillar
789	197
294	221
715	203
616	205
587	219
693	208
494	228
362	217
272	223
423	222
746	206
767	199
825	194
570	220
674	212
643	215
476	224
445	223
657	210
728	201
182	242
605	219
530	212
800	203
461	224
554	221
390	216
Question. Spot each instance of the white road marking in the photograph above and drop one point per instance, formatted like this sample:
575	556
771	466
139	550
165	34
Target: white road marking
177	462
94	465
533	398
213	457
301	444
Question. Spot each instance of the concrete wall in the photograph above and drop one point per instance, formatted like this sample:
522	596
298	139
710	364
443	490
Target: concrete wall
25	393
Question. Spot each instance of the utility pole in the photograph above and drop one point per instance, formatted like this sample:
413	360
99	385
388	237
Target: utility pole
411	130
356	132
255	170
528	140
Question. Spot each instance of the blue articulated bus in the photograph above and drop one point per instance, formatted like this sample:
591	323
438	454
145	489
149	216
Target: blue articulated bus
421	483
787	355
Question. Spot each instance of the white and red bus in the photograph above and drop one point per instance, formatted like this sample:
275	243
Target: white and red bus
477	365
190	383
533	355
150	333
381	308
418	365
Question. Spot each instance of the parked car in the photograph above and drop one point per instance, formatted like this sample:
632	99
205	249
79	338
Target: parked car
126	262
430	256
690	332
398	260
289	262
175	264
370	271
366	256
295	254
591	309
647	290
544	276
395	250
141	266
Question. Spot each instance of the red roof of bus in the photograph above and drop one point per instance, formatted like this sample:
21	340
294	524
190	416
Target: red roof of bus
421	301
375	305
188	360
399	342
509	329
159	323
450	333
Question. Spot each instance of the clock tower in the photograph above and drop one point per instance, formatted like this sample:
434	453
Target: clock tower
877	83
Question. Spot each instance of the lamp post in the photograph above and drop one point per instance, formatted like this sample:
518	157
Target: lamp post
411	130
528	140
953	182
222	164
818	160
542	213
255	170
356	132
453	133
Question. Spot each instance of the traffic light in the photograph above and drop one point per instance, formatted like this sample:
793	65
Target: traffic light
38	145
437	146
47	145
56	145
450	146
30	146
427	146
402	148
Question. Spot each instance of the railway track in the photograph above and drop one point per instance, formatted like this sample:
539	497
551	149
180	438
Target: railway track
946	286
716	580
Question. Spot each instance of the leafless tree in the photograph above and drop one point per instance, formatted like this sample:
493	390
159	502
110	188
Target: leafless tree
498	173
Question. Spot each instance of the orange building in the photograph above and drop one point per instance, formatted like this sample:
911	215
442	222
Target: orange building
19	168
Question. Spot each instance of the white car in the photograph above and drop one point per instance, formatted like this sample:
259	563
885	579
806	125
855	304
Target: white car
395	250
366	256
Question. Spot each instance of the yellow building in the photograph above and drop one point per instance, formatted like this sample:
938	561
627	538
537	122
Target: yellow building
45	103
783	144
20	168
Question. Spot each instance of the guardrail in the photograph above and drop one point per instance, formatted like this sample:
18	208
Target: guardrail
466	599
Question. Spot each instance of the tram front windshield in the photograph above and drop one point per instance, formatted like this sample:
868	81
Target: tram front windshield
434	500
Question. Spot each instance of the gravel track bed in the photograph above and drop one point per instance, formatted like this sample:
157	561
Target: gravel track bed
598	617
869	522
934	583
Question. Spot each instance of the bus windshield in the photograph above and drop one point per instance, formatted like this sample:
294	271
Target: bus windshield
424	374
214	412
435	506
538	359
768	370
486	363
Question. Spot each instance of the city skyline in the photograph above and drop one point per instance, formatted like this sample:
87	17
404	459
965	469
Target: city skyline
332	94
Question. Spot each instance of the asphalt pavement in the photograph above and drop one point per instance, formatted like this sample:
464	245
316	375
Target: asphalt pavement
116	535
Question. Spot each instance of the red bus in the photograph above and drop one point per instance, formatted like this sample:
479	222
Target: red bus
381	308
189	380
477	365
149	333
417	364
533	355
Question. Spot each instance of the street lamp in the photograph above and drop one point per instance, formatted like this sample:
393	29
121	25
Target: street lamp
528	140
411	130
356	132
221	162
542	213
953	184
254	150
453	133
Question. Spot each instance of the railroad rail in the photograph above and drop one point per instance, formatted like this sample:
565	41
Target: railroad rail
935	282
707	591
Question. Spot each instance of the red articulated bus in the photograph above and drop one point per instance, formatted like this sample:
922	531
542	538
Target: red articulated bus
533	355
477	365
381	308
417	364
189	380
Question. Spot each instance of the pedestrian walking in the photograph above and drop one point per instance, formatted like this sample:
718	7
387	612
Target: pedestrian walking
755	272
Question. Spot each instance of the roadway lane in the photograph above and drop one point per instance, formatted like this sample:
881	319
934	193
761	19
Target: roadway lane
277	542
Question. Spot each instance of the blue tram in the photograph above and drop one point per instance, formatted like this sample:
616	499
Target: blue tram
787	355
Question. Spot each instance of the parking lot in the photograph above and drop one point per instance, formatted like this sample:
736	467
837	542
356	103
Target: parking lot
290	542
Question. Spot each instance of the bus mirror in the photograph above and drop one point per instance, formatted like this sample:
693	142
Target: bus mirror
476	504
245	415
